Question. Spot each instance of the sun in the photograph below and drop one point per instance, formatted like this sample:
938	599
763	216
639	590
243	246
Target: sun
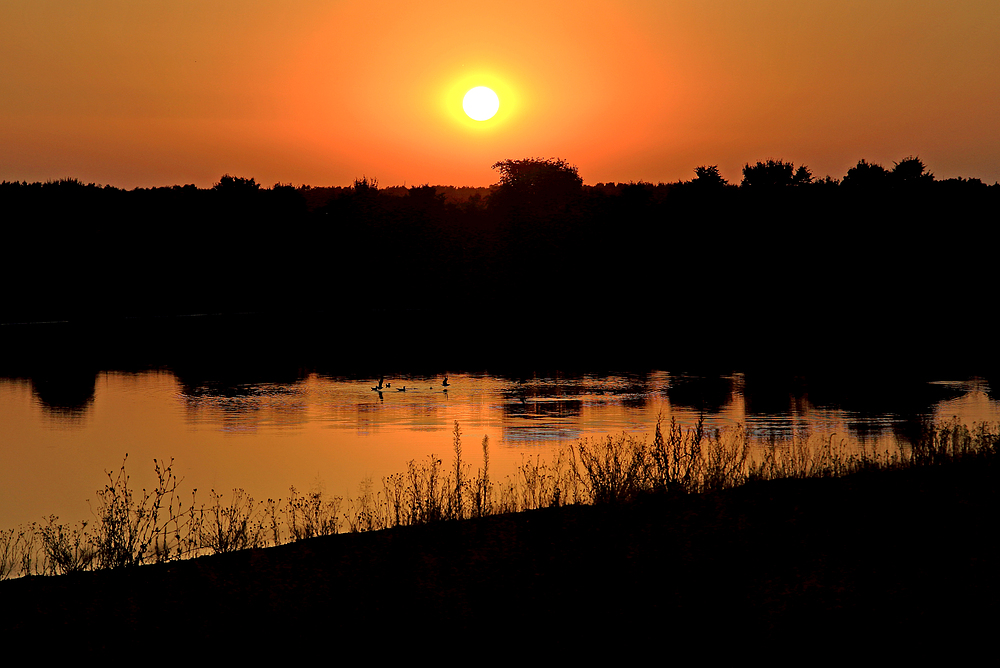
481	103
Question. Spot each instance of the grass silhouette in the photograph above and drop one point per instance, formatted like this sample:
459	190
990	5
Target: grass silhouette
153	526
800	548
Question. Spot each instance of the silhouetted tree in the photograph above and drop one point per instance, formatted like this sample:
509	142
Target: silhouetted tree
365	185
363	198
910	171
425	199
707	176
537	174
959	184
287	200
768	174
802	176
865	175
536	186
236	184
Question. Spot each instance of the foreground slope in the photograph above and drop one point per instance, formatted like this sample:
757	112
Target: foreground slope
902	560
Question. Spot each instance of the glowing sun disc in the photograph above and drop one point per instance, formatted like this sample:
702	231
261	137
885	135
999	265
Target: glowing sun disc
481	103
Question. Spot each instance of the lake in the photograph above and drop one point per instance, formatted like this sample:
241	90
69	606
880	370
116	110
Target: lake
315	430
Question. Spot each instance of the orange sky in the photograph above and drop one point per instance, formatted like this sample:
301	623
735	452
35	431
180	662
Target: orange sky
163	92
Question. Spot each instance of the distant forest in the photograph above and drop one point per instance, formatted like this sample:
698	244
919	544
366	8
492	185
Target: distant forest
781	254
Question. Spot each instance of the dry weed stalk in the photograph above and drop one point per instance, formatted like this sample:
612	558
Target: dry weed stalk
128	526
238	525
132	529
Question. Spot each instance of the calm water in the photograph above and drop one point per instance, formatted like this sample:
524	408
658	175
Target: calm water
318	431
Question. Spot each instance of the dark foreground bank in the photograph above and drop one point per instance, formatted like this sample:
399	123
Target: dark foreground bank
898	562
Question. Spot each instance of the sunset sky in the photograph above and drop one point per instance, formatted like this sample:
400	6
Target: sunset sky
162	92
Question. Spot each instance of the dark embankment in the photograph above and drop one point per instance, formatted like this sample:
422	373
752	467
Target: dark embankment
893	562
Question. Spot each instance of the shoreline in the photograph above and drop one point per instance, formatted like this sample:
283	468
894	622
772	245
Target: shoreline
907	554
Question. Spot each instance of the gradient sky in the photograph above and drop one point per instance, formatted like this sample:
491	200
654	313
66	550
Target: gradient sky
162	92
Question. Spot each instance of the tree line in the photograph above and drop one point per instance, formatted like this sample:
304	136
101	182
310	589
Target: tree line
781	251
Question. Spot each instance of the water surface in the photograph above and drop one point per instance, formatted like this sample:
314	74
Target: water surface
318	431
